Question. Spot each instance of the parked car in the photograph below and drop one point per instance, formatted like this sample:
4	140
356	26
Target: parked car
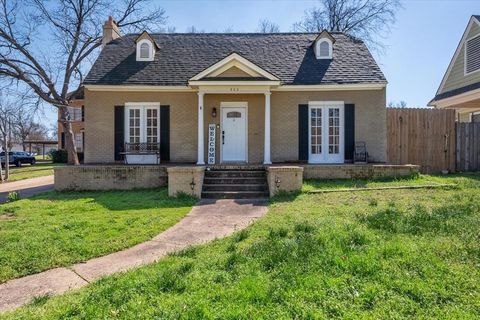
17	158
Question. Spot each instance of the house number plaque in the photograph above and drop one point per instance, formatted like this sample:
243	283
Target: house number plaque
211	143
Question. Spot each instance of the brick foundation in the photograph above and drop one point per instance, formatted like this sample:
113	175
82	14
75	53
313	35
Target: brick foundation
358	171
103	177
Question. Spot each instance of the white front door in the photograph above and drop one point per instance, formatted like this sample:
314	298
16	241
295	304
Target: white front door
326	132
233	135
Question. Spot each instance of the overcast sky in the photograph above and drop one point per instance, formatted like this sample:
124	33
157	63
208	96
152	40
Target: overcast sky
417	51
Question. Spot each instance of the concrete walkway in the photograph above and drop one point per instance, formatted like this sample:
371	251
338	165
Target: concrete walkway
208	220
26	188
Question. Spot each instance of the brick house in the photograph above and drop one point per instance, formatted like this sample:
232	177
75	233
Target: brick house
233	98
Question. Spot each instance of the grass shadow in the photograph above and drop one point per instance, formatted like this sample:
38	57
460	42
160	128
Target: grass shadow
119	200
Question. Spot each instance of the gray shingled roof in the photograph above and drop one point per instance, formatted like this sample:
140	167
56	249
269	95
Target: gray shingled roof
289	56
477	17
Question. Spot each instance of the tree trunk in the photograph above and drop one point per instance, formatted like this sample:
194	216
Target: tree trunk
69	137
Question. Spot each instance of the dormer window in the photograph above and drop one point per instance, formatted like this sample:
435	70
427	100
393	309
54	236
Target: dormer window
324	50
323	46
145	50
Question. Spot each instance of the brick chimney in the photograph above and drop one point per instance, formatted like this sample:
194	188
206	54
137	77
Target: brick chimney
110	31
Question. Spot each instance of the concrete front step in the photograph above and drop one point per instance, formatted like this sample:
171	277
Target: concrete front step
234	174
237	180
234	194
235	187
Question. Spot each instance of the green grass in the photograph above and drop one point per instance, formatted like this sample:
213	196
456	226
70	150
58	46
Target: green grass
26	171
59	229
376	254
421	179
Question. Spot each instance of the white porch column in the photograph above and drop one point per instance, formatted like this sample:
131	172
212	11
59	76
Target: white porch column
201	140
266	145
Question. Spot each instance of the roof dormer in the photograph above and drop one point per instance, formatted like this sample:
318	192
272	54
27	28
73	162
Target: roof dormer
323	45
146	47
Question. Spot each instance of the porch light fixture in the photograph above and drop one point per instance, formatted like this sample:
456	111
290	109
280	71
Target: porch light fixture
277	182
214	112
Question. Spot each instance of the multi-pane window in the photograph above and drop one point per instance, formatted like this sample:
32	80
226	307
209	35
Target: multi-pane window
75	114
333	130
144	51
134	125
79	141
316	130
152	125
142	124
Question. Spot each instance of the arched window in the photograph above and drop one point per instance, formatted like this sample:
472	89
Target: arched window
323	49
145	50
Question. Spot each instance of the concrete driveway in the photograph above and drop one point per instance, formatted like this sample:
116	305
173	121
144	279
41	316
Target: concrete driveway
26	188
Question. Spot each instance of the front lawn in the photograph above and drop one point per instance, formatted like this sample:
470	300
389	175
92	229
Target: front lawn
373	254
59	229
27	171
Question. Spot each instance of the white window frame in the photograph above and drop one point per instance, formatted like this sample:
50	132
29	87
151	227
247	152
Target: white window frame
143	106
150	51
465	73
324	105
330	49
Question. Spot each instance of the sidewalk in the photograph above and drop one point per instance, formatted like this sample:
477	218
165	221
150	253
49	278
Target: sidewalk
208	220
26	188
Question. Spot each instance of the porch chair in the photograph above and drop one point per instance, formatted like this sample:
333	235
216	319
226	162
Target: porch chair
360	155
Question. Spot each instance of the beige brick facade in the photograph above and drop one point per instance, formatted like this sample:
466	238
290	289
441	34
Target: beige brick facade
370	121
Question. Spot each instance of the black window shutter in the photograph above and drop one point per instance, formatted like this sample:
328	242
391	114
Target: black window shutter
303	132
119	131
62	141
83	113
165	133
349	131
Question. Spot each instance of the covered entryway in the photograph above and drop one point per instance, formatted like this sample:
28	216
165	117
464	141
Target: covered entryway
233	136
236	77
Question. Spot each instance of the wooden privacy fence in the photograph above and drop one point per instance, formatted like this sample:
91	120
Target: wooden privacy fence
468	146
425	137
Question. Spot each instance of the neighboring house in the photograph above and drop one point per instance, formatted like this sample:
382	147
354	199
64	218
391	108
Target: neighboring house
77	111
280	97
460	86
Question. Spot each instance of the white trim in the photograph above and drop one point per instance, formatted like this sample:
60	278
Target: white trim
332	87
458	99
237	64
143	117
465	73
330	48
325	105
233	83
151	50
456	54
239	58
138	88
231	104
267	129
200	130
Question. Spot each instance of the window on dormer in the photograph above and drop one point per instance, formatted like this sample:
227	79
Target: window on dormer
324	49
145	51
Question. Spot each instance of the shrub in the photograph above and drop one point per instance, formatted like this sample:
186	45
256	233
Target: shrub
61	156
13	196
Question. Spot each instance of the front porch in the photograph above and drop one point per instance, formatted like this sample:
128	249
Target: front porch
188	178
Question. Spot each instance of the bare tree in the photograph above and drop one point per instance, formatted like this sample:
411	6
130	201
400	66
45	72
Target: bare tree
369	20
266	26
7	109
74	32
401	104
193	29
26	128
